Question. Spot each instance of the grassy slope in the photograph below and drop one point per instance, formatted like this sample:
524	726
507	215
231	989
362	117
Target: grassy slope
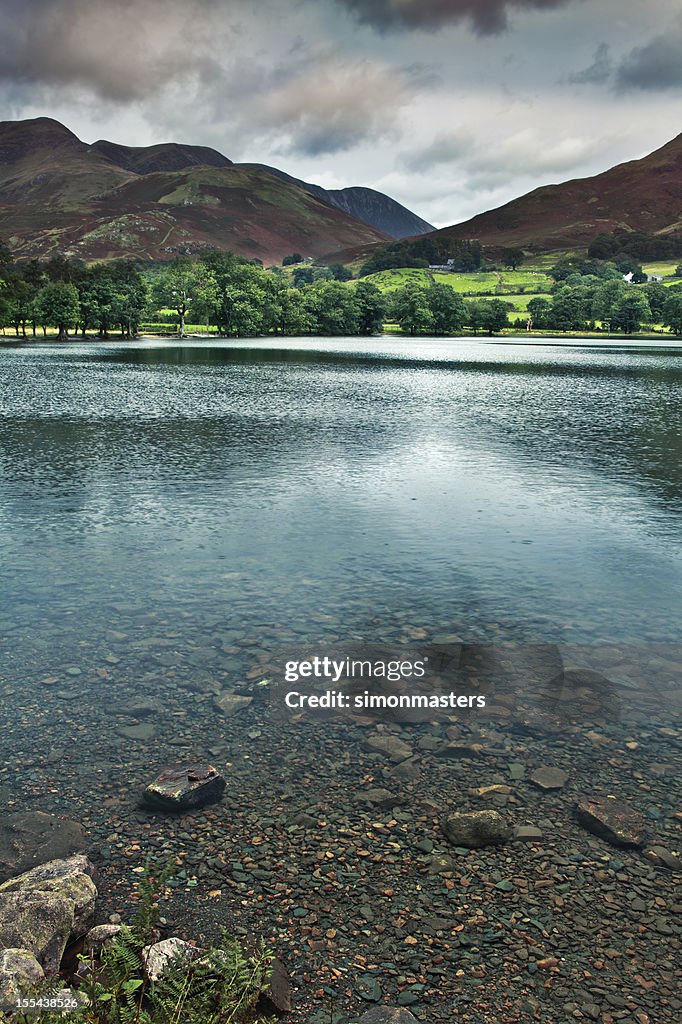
516	287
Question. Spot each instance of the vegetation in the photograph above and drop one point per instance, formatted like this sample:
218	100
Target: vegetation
230	296
623	243
466	254
220	984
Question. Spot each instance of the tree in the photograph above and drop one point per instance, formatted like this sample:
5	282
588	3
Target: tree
630	311
512	258
293	315
58	307
493	315
289	261
447	308
333	308
303	275
540	312
672	312
371	307
340	273
678	270
410	308
180	285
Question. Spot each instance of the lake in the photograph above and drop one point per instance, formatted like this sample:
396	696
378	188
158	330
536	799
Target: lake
178	520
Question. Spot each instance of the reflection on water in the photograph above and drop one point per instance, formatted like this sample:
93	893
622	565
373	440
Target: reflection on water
495	492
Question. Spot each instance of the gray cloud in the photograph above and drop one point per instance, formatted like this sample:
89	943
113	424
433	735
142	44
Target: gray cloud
657	65
443	150
333	106
486	16
119	49
599	71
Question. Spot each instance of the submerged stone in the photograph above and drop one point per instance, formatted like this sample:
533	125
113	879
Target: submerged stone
31	838
177	789
612	820
475	829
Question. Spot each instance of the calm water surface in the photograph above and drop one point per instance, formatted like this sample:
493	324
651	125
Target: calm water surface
336	488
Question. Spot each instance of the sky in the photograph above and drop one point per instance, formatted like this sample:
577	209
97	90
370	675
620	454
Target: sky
452	107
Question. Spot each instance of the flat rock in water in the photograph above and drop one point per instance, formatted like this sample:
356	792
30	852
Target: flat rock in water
378	797
19	972
388	1015
45	907
177	789
527	833
475	829
32	838
612	820
392	747
549	778
231	703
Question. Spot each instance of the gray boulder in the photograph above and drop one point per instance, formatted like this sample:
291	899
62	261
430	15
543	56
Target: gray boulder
19	972
45	907
179	789
32	837
475	829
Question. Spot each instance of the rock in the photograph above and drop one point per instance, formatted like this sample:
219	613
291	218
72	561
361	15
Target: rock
475	829
32	838
392	747
379	798
41	909
527	833
158	955
177	789
388	1015
98	937
231	703
142	732
19	972
612	820
549	778
663	858
277	996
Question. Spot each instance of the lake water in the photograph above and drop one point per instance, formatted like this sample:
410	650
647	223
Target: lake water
305	489
174	518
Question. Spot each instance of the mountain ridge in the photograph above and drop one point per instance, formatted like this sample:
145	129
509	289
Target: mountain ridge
106	200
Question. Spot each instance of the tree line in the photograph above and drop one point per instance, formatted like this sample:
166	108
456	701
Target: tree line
589	293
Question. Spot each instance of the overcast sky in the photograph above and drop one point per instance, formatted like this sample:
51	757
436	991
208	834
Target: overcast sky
450	106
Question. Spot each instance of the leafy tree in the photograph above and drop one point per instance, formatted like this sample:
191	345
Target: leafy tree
410	308
571	308
371	307
540	312
656	295
678	270
293	315
340	273
447	309
179	286
672	312
630	311
289	261
303	275
492	316
58	307
333	308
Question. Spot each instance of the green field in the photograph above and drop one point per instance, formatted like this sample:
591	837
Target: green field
507	283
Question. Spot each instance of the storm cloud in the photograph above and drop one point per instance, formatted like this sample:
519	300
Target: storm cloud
485	16
119	49
657	65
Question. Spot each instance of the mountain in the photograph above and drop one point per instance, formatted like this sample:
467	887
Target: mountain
641	195
365	204
168	156
101	201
